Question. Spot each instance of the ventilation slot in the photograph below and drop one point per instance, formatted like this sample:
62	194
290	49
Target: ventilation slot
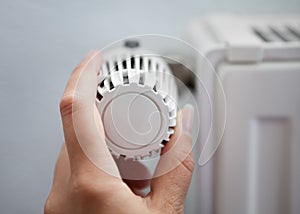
132	62
167	99
141	63
164	142
142	79
124	63
261	35
149	65
99	96
116	66
294	32
125	78
277	33
108	68
154	88
101	84
111	85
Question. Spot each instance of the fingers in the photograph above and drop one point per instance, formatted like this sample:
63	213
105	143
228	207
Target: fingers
173	185
83	130
62	170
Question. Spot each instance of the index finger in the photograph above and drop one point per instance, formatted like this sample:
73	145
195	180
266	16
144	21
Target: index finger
83	130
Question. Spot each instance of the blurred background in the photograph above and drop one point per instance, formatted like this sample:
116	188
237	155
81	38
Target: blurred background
40	43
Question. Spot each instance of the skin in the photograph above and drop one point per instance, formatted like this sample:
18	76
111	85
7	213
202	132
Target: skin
79	186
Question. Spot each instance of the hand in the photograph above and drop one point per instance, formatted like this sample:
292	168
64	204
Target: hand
86	178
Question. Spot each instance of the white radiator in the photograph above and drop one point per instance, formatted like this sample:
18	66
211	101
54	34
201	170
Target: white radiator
256	168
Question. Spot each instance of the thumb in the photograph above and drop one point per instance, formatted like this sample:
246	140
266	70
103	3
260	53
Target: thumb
171	188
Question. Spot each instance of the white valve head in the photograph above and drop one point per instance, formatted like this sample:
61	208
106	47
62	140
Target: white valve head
137	101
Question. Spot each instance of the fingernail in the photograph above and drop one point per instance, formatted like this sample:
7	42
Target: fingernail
188	118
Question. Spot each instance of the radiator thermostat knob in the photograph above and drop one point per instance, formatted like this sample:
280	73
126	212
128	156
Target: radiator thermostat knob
136	98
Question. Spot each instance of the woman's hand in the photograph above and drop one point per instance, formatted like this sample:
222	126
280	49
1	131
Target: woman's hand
86	178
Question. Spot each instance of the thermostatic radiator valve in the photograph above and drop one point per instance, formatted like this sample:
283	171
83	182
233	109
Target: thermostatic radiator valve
137	100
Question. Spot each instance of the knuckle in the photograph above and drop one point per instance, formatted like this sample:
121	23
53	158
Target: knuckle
81	188
189	163
68	103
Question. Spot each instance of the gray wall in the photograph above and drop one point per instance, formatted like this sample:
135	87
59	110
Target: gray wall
40	43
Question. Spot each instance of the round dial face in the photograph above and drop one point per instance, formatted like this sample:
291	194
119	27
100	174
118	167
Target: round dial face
136	120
